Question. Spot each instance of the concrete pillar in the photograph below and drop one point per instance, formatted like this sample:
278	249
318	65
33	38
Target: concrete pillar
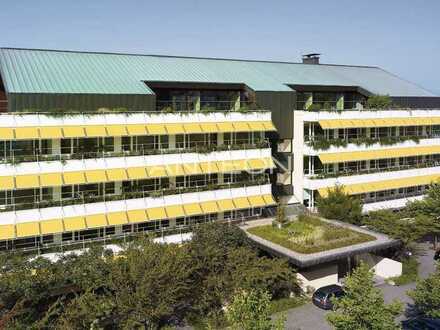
118	188
220	178
57	238
197	101
56	193
220	216
172	141
237	101
56	146
298	156
117	144
340	102
309	100
172	223
172	182
118	230
220	139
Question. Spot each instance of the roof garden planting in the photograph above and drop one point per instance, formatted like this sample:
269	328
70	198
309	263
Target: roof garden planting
309	234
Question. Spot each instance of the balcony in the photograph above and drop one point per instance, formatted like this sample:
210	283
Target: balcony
169	106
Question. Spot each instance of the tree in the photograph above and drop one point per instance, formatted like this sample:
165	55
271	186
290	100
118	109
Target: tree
337	205
250	310
429	206
362	306
407	230
426	295
379	102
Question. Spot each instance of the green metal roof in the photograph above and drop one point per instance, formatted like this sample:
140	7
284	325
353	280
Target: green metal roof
67	72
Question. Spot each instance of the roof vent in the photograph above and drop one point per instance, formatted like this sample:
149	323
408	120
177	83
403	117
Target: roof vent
312	58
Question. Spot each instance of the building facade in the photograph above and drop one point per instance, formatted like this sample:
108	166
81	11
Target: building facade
97	145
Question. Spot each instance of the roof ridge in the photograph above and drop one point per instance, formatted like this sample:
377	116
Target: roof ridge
185	57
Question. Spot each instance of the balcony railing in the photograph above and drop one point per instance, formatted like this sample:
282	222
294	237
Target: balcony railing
394	196
143	150
205	106
89	197
327	175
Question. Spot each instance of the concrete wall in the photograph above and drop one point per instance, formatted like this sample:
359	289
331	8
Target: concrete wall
319	276
383	267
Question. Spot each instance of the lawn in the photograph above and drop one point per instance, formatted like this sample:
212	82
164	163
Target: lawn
310	234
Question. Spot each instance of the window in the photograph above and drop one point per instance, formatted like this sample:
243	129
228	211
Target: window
227	138
66	192
180	141
126	143
180	182
180	222
109	188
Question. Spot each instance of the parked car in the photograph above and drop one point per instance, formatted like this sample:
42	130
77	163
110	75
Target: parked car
437	255
322	297
421	323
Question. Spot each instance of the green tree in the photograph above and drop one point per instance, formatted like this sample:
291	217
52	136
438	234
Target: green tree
363	305
407	230
426	295
379	102
250	310
337	205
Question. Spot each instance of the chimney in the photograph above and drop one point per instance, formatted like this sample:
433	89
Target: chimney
312	58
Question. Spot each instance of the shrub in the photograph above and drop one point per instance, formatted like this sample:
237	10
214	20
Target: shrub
379	102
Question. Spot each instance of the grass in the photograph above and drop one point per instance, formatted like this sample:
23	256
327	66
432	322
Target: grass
310	235
410	268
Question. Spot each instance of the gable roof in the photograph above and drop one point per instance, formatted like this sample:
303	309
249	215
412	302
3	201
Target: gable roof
70	72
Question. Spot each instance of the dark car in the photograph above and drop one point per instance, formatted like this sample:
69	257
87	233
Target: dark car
421	323
437	255
323	296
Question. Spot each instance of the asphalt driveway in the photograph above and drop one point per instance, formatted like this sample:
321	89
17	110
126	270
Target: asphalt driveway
310	317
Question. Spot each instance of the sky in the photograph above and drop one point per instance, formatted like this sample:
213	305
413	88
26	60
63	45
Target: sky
401	36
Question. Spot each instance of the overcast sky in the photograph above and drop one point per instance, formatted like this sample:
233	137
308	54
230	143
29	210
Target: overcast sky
402	36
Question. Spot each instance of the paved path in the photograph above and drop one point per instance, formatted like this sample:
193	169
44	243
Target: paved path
310	317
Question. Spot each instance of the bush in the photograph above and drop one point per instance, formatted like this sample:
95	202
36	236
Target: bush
379	102
337	205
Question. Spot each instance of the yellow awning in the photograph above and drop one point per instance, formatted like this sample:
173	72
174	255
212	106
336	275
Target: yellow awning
378	122
135	173
241	126
26	133
175	170
7	182
268	199
7	232
136	130
209	207
96	221
74	177
192	168
241	203
117	130
51	132
174	129
51	226
156	129
6	133
74	224
175	211
117	218
73	131
117	174
27	181
269	126
135	216
255	164
192	128
209	127
96	176
339	157
192	209
51	179
95	131
257	201
209	167
257	126
225	127
156	171
225	205
27	229
240	165
225	166
156	213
